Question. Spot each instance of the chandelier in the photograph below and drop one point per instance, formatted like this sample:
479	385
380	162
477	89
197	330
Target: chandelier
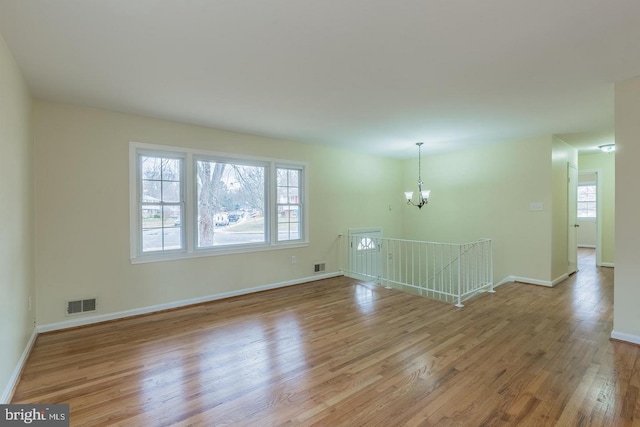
423	195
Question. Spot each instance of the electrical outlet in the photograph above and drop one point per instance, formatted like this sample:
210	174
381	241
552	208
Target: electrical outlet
294	259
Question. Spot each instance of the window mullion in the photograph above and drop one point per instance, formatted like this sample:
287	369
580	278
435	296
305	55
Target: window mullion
164	195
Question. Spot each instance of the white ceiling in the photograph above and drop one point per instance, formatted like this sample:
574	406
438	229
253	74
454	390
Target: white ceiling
372	75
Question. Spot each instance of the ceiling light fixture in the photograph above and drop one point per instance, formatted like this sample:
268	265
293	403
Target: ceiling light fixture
423	195
608	148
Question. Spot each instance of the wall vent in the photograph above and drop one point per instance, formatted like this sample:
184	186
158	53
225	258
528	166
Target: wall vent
81	306
319	268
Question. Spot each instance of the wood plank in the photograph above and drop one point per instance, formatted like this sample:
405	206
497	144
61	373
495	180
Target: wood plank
344	352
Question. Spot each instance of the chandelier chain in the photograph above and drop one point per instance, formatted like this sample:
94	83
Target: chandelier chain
420	162
419	144
423	195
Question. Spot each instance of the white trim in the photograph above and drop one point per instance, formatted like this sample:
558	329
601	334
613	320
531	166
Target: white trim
303	168
365	230
189	156
559	279
587	246
372	232
532	281
191	186
634	339
598	246
608	264
549	284
507	279
529	281
133	201
7	394
201	253
535	281
176	304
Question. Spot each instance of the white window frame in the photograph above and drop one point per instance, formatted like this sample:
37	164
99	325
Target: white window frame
189	225
140	203
589	218
301	200
267	212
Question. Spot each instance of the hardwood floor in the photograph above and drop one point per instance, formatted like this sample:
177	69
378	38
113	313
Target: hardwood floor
342	352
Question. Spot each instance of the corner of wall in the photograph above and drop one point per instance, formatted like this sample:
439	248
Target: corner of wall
9	389
17	259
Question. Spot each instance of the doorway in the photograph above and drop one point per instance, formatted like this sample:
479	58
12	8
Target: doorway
589	214
365	254
572	245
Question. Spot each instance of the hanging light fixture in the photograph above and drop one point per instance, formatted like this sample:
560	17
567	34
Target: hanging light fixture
423	195
608	148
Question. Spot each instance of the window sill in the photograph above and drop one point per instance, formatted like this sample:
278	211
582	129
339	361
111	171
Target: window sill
203	253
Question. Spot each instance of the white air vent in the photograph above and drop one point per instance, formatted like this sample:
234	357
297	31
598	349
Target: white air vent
81	306
319	268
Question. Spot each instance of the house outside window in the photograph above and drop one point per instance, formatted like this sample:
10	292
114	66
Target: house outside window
289	203
161	202
190	203
230	199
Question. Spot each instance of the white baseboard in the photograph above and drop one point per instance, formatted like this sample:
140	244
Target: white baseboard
174	304
608	264
524	280
503	281
7	394
541	282
560	279
532	281
634	339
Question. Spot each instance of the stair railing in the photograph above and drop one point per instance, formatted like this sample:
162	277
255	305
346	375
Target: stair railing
453	272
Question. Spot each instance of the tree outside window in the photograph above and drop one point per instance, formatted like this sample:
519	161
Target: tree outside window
230	199
161	203
190	203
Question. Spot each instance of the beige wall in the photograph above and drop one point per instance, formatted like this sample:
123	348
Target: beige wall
16	217
626	319
605	164
562	156
82	214
487	192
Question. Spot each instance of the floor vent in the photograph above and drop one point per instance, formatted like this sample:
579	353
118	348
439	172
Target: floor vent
81	306
319	268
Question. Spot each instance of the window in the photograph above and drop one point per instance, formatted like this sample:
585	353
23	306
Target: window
230	203
587	201
187	203
366	244
161	203
289	203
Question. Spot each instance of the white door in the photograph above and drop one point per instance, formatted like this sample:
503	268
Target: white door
572	218
365	254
